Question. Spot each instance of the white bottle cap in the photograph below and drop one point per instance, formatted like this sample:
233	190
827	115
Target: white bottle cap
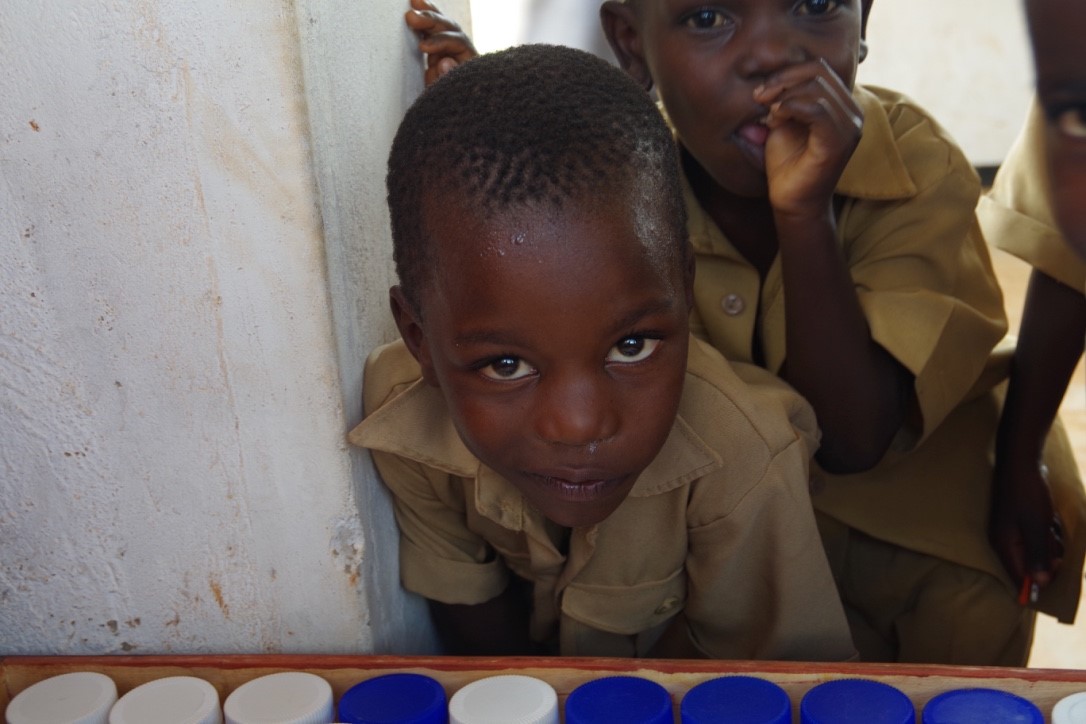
505	700
291	697
173	700
83	697
1070	710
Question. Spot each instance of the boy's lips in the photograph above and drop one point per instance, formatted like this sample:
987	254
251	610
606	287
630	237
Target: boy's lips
580	484
751	138
755	133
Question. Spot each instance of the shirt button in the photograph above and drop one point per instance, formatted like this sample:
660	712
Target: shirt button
668	604
733	305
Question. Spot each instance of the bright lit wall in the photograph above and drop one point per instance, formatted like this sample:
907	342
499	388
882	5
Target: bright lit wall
194	262
966	61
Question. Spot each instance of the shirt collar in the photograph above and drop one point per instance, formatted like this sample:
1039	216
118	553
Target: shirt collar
415	425
876	170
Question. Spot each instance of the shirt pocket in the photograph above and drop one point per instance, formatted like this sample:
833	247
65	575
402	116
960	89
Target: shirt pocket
626	610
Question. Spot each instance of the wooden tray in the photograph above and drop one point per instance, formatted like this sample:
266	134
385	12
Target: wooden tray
1044	687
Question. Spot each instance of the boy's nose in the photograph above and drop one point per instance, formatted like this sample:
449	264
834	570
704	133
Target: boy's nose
575	412
768	47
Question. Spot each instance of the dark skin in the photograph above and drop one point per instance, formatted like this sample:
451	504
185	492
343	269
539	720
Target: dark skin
802	84
862	395
498	627
1024	528
549	332
442	40
1056	29
799	73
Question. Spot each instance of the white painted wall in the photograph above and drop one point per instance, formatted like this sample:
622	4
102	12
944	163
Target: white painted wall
966	61
194	260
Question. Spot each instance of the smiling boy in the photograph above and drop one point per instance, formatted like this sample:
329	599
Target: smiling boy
571	473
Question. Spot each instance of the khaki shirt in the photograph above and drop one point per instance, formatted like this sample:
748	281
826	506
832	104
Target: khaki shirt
717	536
1016	214
910	237
912	245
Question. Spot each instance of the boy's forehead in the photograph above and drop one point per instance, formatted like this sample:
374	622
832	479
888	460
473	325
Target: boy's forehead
865	5
465	230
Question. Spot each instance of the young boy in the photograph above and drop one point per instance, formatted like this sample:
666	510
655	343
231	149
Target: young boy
1042	178
1017	216
856	206
867	285
571	473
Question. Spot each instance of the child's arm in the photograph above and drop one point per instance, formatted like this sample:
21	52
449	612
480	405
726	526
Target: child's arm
1049	346
444	561
859	391
440	38
498	627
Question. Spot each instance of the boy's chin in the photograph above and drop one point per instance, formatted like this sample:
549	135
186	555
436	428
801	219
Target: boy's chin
583	514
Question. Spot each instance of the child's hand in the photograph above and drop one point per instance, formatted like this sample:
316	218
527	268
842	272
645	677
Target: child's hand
440	38
1024	530
814	126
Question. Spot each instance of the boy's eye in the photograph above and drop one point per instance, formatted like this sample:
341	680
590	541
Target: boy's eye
507	368
1071	122
705	19
817	7
633	349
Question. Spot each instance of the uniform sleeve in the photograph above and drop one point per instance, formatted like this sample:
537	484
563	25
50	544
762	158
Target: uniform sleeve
759	586
774	391
923	273
440	557
1016	214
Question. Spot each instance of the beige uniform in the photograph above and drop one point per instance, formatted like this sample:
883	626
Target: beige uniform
1016	214
716	541
908	539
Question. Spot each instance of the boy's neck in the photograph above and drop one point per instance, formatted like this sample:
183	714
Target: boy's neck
746	222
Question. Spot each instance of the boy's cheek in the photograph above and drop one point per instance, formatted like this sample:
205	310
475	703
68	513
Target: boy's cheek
485	428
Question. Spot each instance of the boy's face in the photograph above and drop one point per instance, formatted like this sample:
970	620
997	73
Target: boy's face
559	343
706	60
1058	28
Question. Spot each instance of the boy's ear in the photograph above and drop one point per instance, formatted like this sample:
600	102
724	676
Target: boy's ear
621	27
410	326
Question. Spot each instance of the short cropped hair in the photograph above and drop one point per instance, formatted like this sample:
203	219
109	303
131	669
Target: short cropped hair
532	125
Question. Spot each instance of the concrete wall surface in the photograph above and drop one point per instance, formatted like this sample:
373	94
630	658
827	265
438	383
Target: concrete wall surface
194	260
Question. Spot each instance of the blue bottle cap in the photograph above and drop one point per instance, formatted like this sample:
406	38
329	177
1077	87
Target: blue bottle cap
395	699
983	706
856	701
626	699
736	700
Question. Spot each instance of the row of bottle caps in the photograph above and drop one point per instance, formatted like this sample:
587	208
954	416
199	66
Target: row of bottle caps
406	698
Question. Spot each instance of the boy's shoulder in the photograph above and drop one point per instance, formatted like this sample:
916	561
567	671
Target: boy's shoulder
903	151
389	369
407	417
734	405
1016	214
